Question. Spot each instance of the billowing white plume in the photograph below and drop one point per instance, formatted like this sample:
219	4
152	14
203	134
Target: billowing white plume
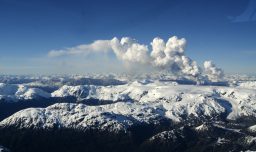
168	55
129	50
212	72
171	56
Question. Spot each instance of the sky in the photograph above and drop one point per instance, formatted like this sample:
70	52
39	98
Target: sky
223	31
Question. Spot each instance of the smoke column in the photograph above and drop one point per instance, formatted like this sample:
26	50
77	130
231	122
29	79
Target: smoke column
169	56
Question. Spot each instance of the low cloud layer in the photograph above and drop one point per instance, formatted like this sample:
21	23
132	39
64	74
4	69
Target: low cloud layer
168	56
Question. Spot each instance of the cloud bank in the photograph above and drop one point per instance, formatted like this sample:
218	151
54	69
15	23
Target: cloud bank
168	56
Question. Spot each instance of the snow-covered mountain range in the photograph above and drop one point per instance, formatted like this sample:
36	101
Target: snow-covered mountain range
150	100
223	112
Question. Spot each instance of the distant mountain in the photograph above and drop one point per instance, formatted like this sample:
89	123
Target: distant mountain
13	92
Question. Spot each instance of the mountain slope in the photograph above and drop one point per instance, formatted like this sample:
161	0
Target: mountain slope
113	117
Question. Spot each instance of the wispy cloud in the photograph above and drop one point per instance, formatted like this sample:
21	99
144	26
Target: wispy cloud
248	15
85	49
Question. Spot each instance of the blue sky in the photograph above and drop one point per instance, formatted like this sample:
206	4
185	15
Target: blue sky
220	30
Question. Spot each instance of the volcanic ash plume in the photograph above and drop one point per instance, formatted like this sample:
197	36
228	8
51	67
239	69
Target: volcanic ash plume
212	72
129	50
169	56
